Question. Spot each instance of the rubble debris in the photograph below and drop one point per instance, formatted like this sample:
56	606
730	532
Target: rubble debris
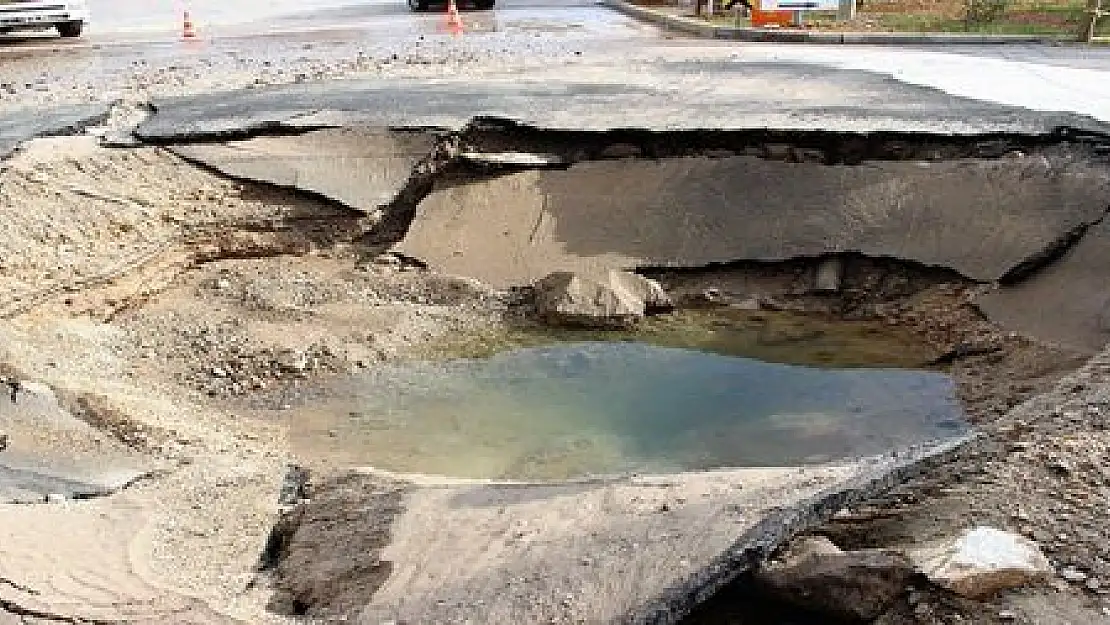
983	561
615	299
815	574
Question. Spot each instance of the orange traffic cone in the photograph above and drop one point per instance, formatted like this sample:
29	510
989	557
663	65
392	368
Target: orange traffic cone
454	22
188	31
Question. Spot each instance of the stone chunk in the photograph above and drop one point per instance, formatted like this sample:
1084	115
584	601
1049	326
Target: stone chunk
856	585
649	291
616	299
982	561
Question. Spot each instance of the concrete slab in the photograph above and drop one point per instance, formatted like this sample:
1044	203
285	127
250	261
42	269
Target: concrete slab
1067	302
17	128
373	548
979	217
50	452
666	95
361	168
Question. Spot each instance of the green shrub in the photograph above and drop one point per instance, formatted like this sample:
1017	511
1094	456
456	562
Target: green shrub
983	12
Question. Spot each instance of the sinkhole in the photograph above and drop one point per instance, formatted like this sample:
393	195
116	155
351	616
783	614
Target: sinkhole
832	242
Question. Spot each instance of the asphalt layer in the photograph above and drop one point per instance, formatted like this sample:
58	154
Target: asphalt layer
569	65
664	99
16	129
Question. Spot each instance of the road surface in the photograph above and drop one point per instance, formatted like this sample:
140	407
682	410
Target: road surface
160	21
117	16
138	55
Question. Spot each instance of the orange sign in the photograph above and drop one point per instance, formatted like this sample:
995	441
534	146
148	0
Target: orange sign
771	18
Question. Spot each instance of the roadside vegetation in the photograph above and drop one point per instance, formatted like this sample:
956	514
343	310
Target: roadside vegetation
1034	17
982	16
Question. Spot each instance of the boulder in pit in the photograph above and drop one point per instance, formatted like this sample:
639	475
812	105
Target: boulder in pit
982	561
855	585
615	299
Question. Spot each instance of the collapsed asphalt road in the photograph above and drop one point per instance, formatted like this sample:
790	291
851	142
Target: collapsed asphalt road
189	285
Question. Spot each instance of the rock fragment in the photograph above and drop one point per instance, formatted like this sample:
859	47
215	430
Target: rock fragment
1073	575
982	561
616	299
856	585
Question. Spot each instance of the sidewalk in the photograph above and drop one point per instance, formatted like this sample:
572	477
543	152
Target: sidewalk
672	21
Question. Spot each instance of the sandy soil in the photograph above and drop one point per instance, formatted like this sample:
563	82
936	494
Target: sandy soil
149	269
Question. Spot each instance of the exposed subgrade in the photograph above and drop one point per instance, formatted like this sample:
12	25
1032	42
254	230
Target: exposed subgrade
511	148
850	225
871	222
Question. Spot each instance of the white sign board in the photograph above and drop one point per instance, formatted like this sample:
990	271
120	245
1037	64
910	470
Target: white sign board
799	5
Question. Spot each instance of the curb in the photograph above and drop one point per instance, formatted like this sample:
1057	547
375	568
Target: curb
735	33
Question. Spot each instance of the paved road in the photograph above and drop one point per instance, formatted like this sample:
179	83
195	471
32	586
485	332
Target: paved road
139	22
144	55
568	45
115	16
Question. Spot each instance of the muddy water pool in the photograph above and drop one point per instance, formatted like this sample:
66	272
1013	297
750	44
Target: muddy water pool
586	407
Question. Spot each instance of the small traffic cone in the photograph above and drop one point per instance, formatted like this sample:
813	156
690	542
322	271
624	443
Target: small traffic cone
188	31
454	22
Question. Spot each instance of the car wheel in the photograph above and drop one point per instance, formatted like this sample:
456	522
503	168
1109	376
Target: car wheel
418	5
70	29
483	5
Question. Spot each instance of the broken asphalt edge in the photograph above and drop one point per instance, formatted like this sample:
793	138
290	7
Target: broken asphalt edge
323	198
57	122
704	29
775	530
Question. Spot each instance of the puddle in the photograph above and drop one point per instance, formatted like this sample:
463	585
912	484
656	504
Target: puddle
588	408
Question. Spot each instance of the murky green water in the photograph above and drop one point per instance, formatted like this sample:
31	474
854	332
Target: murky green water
581	408
773	336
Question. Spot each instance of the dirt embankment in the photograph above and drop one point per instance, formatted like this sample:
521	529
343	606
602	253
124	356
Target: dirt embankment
147	292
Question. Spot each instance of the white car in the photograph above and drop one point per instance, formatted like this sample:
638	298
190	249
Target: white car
68	17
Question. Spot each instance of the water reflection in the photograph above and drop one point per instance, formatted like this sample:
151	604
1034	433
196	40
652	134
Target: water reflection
595	408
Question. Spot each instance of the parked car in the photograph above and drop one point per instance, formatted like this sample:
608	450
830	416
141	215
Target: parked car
69	17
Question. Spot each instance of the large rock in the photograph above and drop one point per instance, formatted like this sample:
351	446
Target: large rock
612	299
817	575
982	561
